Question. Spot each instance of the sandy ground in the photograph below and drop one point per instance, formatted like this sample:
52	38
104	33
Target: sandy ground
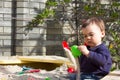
15	72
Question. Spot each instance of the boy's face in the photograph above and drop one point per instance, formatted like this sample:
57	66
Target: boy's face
92	35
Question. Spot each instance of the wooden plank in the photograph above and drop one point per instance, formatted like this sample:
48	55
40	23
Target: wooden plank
10	60
25	59
36	61
114	75
46	59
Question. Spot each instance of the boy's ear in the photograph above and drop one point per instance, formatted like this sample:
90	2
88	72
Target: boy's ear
103	33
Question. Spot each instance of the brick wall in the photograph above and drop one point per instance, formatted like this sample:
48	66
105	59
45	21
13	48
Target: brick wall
43	40
5	27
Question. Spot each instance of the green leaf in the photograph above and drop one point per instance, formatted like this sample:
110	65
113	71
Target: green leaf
67	1
51	3
115	15
87	8
116	4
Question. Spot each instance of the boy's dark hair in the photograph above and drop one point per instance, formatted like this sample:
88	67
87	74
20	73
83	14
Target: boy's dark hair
99	22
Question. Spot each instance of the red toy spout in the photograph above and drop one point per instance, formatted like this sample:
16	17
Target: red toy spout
65	45
85	44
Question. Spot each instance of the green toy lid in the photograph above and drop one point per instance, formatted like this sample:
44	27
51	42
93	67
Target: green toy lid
75	51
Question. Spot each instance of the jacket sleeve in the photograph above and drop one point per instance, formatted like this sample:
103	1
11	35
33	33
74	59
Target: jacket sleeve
100	57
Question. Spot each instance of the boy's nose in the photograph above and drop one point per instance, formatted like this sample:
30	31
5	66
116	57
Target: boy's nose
88	37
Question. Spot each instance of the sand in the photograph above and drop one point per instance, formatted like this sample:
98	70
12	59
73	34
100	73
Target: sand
14	72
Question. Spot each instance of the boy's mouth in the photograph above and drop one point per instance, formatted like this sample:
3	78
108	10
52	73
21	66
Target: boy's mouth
89	43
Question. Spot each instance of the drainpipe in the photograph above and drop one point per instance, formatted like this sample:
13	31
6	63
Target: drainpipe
76	18
13	27
77	59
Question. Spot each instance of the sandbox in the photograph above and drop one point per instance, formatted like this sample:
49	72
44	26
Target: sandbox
37	68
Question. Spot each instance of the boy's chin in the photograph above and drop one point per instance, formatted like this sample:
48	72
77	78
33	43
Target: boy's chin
91	45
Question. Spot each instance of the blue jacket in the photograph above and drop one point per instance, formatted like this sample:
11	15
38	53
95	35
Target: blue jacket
99	61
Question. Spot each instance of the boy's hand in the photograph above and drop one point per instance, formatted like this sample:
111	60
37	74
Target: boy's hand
84	50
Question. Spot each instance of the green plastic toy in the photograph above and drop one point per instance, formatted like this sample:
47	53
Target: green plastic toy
75	51
47	78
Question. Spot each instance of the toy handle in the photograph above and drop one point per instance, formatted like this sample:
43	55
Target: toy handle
75	51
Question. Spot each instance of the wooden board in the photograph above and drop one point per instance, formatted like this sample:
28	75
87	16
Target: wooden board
46	59
69	54
71	57
26	59
37	62
114	75
10	60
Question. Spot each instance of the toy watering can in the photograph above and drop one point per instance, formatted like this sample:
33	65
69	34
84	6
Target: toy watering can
74	49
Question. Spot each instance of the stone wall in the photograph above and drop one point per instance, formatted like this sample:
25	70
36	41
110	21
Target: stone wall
40	40
43	40
5	27
27	44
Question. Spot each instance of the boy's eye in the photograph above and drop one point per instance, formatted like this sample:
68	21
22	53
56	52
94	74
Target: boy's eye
85	36
91	34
